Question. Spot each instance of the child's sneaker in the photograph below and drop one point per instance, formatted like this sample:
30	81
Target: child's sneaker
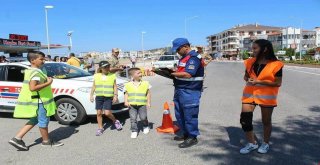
51	143
264	148
134	135
146	130
99	132
118	125
19	144
248	148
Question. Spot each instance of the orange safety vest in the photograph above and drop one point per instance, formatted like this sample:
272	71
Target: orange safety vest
262	94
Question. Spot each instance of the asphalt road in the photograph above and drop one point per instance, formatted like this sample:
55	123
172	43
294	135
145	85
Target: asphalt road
295	137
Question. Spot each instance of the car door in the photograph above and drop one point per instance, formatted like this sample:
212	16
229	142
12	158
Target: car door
10	86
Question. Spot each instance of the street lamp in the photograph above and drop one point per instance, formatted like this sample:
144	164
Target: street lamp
70	39
300	43
185	24
46	8
142	35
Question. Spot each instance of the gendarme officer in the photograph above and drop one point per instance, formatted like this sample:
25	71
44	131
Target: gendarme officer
188	84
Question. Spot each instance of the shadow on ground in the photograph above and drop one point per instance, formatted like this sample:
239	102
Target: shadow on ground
297	141
294	141
58	134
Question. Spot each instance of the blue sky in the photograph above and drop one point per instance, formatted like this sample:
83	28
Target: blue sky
100	24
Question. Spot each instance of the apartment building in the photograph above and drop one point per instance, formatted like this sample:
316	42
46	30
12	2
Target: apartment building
230	42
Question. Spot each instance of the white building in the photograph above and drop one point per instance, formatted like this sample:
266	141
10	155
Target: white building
317	30
230	42
291	38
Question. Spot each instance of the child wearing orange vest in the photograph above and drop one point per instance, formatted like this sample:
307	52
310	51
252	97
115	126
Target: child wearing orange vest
263	78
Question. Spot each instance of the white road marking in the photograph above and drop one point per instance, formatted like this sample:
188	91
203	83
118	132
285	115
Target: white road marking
318	74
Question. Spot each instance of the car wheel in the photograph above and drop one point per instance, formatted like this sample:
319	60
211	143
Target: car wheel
175	66
69	111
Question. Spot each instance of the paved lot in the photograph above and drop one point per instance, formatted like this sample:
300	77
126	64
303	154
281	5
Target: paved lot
295	138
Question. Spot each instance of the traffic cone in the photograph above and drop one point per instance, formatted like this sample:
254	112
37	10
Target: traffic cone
167	124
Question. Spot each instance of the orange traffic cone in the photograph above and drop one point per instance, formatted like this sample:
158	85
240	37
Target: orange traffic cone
167	124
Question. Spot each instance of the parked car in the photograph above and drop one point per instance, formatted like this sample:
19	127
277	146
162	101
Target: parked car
71	88
167	61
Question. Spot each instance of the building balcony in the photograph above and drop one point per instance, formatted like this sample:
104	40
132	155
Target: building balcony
232	36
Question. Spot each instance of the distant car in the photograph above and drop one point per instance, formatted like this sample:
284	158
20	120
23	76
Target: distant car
71	89
167	61
17	59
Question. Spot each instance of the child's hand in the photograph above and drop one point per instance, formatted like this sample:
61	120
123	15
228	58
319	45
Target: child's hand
127	104
148	105
91	99
49	80
253	81
115	99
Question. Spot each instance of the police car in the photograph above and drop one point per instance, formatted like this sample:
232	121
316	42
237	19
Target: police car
71	88
167	61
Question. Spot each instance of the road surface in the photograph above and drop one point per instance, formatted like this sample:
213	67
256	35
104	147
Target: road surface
295	137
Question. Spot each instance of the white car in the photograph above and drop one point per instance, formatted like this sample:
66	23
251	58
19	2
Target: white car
167	61
71	88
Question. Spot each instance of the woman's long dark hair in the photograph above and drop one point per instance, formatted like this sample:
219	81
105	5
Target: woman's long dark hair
268	54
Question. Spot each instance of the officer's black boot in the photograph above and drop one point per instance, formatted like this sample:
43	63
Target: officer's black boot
190	141
180	138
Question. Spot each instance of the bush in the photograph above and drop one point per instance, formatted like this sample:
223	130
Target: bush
245	55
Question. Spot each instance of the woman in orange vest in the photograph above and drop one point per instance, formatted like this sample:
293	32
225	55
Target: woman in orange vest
263	78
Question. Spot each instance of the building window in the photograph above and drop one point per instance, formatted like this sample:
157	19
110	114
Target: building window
258	32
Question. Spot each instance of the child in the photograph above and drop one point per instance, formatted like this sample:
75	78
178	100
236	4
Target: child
105	87
36	102
137	97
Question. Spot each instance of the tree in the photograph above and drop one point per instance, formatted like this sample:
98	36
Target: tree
245	55
289	52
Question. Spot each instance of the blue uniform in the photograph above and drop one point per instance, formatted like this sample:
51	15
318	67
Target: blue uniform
188	92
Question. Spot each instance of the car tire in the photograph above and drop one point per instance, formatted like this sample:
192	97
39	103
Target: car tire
69	112
175	66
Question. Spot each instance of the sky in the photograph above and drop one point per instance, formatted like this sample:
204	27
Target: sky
100	25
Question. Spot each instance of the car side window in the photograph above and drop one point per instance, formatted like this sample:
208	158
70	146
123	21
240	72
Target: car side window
15	73
3	73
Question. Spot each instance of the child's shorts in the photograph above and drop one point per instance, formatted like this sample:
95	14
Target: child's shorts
41	120
103	103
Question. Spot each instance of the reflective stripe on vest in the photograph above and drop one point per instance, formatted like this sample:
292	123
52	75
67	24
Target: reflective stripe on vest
191	79
104	87
267	97
137	95
257	85
27	104
35	104
138	101
259	93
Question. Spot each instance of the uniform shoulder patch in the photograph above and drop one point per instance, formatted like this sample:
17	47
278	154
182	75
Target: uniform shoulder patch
191	67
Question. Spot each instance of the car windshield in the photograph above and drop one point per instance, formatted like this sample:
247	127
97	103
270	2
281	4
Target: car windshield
63	71
166	58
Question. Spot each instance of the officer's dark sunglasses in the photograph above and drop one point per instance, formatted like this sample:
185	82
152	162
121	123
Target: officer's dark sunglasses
179	49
